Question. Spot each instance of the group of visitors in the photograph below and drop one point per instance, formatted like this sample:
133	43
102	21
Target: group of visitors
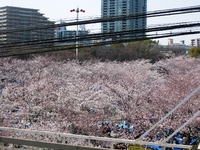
189	136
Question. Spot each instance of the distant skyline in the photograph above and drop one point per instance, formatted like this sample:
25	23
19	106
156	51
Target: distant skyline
60	10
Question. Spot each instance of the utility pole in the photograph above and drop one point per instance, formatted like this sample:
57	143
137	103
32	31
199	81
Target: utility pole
77	17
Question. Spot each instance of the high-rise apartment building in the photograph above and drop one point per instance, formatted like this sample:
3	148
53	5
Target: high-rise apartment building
14	19
123	7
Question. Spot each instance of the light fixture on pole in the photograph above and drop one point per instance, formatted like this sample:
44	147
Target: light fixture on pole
77	11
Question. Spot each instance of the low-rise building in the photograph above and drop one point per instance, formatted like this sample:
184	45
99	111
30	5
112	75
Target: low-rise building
173	49
195	42
64	36
181	45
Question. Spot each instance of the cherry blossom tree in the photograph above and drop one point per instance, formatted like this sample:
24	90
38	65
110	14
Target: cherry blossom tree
76	97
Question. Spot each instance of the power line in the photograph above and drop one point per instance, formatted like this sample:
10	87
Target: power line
70	47
100	36
166	12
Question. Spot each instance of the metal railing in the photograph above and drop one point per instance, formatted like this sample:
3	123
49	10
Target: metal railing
39	139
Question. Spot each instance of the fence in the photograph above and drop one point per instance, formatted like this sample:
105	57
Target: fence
65	141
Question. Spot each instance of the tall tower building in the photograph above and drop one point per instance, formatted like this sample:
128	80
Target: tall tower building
17	19
123	7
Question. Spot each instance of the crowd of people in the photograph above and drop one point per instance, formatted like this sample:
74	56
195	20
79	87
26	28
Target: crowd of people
189	136
120	129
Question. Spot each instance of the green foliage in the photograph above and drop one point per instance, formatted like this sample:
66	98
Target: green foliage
150	42
119	45
24	57
194	52
147	49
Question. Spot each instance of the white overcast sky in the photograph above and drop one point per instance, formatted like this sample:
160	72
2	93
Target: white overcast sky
60	10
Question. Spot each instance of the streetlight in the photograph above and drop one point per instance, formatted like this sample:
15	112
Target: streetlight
77	11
